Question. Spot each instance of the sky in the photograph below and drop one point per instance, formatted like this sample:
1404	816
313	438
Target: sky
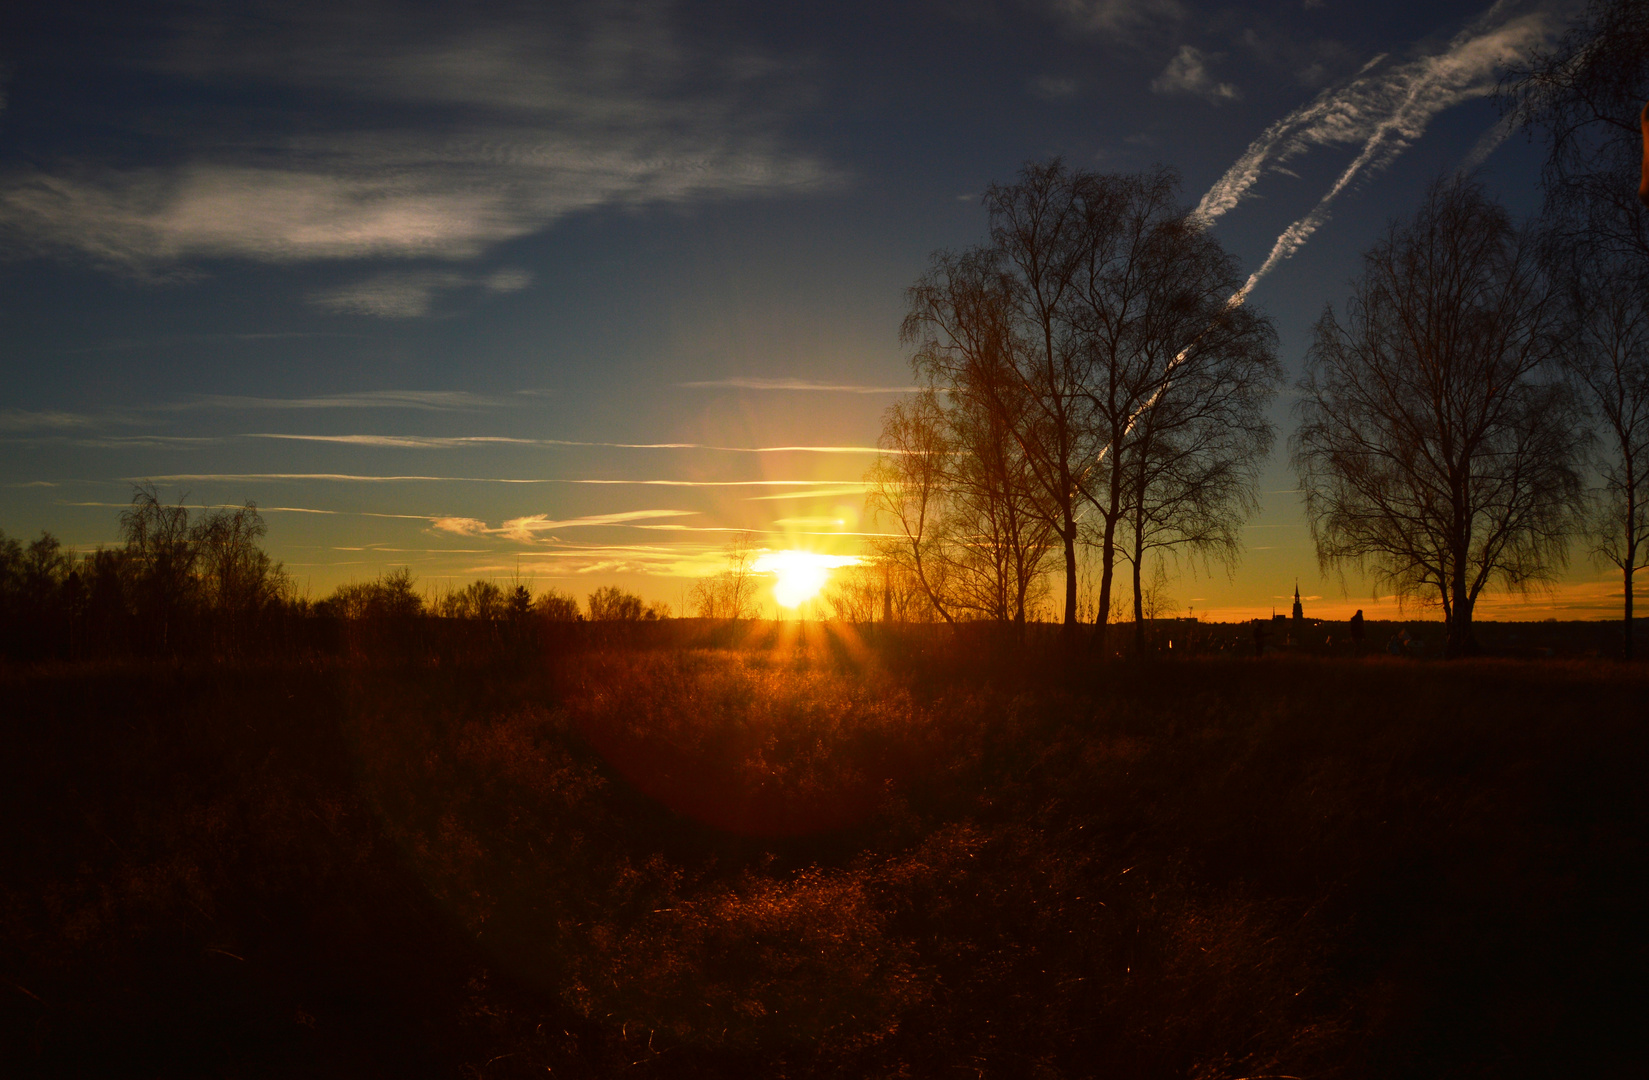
569	294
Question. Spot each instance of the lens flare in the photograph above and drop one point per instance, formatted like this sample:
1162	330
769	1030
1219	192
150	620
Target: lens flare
800	574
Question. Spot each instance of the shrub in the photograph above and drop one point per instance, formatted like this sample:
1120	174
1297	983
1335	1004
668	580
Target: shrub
613	604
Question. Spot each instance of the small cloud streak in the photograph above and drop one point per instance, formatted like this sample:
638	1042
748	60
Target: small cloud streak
411	294
26	420
827	486
804	385
437	442
1053	87
402	442
530	527
1187	73
459	526
818	493
403	295
1116	18
423	400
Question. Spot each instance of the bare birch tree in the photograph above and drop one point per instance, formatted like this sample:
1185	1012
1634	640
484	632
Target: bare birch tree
1164	353
992	322
165	552
1585	96
907	489
1607	357
1196	460
730	594
1097	317
1437	447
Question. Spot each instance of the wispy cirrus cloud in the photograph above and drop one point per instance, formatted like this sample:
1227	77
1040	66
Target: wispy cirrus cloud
65	423
437	133
822	491
132	442
531	526
44	419
402	442
804	385
441	442
356	478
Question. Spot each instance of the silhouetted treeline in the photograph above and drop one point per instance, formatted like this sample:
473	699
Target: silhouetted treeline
179	584
193	582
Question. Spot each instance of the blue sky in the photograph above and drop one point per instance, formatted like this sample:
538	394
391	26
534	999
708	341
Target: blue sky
489	290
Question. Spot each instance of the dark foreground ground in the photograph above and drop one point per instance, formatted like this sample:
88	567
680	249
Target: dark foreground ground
824	858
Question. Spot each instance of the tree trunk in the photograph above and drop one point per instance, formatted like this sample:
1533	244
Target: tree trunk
1630	567
1630	563
1139	608
1107	567
1460	641
1069	538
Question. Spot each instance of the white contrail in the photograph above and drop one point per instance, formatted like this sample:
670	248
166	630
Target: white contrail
1385	108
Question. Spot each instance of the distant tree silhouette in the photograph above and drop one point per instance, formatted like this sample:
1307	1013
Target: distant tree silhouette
1607	357
854	593
556	606
477	600
1437	445
613	604
164	552
1586	98
1175	377
391	597
730	594
42	594
238	580
177	583
907	488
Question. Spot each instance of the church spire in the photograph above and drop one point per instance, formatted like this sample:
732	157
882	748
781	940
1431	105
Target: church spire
1299	612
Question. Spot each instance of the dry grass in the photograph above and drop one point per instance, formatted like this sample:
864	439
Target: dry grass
826	856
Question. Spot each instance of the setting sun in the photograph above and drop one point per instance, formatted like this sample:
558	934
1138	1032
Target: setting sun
800	574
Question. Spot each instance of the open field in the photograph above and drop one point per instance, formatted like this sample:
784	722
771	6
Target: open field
811	854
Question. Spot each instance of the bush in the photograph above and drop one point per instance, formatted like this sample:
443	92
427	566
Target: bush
557	606
613	604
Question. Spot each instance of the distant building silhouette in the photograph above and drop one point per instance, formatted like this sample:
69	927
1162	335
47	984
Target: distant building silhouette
1299	612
